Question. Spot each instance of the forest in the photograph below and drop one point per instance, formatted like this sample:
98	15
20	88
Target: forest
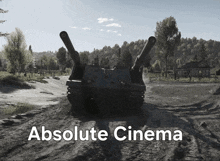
189	49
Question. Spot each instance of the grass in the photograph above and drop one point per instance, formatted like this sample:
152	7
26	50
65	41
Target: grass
17	109
40	77
19	79
158	78
32	77
7	79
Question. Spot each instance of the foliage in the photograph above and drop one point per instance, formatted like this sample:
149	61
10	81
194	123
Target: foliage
30	64
126	58
189	49
19	80
156	66
203	52
13	81
61	57
211	48
52	63
15	51
185	52
168	37
48	63
69	61
30	49
68	71
84	59
157	77
104	62
18	108
45	61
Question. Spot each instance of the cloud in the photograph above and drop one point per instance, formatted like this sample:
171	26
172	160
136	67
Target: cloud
101	20
112	31
101	30
113	25
74	27
86	28
119	34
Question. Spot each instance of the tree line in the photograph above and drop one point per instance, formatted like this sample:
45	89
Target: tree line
170	52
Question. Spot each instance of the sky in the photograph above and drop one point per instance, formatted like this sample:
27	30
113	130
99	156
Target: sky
93	24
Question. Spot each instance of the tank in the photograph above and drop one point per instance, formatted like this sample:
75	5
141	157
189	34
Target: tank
95	90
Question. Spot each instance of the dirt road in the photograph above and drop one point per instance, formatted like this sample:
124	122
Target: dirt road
193	109
43	94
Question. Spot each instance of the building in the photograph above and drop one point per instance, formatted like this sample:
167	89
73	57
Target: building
194	69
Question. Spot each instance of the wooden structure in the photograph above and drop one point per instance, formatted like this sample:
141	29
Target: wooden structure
194	69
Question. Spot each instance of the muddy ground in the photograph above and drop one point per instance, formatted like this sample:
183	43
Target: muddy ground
193	108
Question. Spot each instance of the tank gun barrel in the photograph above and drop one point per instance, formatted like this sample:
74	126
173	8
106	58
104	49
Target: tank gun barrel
145	51
73	53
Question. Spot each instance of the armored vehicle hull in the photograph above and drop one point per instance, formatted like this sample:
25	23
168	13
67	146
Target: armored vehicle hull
104	100
96	90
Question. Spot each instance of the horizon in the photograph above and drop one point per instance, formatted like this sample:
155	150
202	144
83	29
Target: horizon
93	25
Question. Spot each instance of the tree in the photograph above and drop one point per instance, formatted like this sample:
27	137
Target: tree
61	57
203	54
168	37
104	62
15	51
45	61
52	65
30	49
30	65
195	58
2	21
84	59
126	58
69	61
156	66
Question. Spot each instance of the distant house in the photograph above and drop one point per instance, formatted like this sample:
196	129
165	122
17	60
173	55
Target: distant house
194	69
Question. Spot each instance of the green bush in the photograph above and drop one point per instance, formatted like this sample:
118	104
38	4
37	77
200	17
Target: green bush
19	79
18	109
68	70
159	77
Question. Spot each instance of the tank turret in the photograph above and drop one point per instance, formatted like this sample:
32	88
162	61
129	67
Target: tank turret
106	91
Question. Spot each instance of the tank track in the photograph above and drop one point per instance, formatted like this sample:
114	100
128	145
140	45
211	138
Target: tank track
104	102
76	100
